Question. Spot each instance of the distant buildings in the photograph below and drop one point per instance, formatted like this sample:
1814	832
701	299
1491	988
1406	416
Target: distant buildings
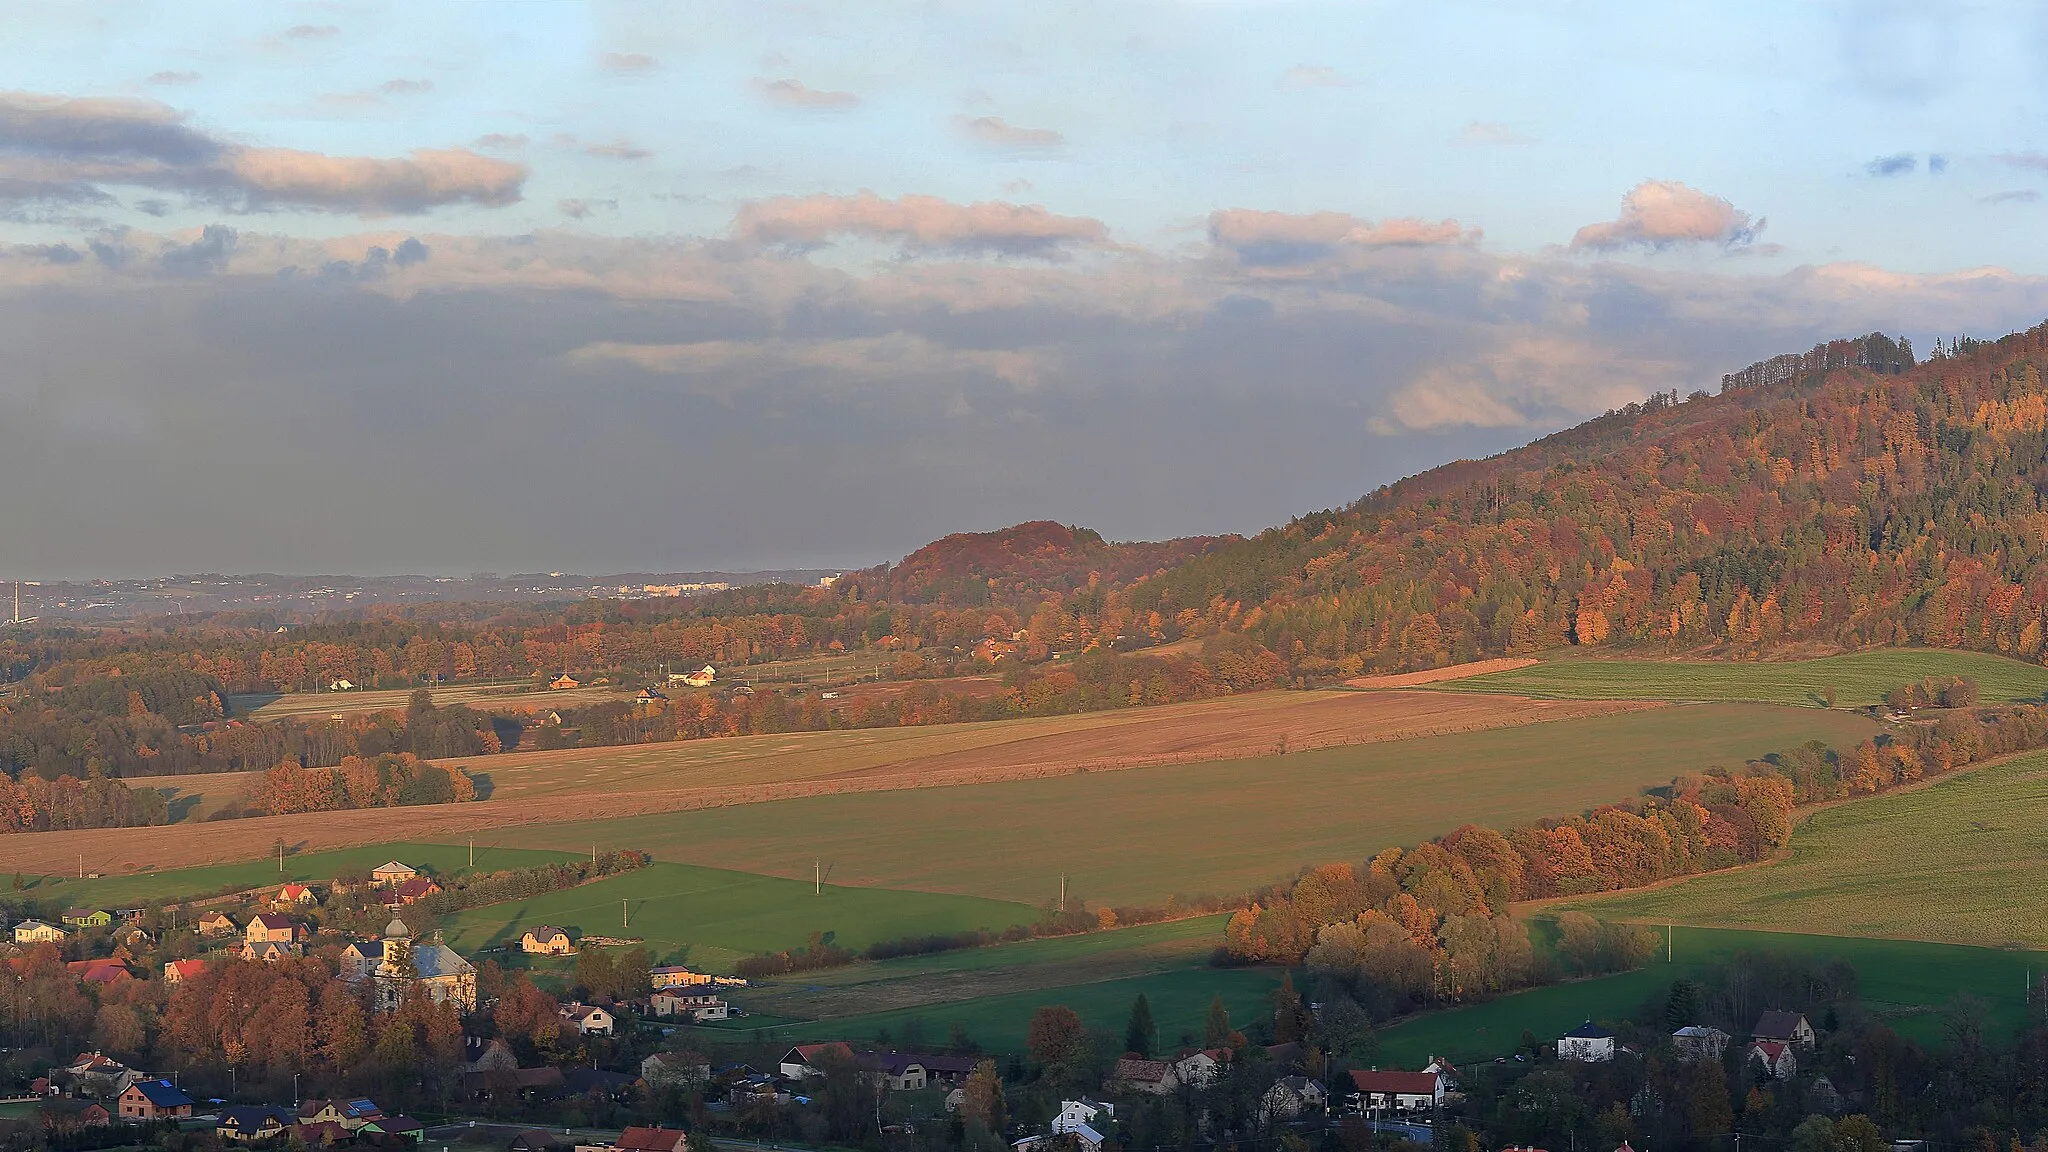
1588	1044
395	965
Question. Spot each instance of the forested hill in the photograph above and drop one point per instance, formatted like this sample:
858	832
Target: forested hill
1019	562
1819	507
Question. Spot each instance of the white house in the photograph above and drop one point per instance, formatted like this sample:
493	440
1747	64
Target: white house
1789	1027
1290	1096
1588	1044
801	1062
1076	1114
37	932
698	1006
1199	1069
1376	1091
1775	1057
1696	1042
588	1019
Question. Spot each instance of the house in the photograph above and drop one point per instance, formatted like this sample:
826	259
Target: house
62	1114
900	1072
395	963
1200	1068
350	1114
391	873
1588	1044
586	1019
675	1069
411	891
94	1064
247	1123
547	940
1376	1091
322	1133
801	1062
1774	1057
218	923
271	928
268	951
37	932
698	1006
1788	1027
481	1055
652	1140
1291	1057
153	1100
564	682
1085	1139
650	696
1699	1042
1823	1097
677	976
1291	1097
701	678
1152	1077
340	685
397	1127
294	896
102	971
179	971
1444	1068
534	1140
1075	1114
542	1083
597	1083
87	917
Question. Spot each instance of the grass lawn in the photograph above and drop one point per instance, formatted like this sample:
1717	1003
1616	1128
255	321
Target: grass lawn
1963	861
144	886
1143	834
1858	678
711	917
1179	1000
1906	981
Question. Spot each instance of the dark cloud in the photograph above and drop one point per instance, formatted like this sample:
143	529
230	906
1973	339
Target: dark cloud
1899	165
202	257
1937	164
52	253
96	143
411	252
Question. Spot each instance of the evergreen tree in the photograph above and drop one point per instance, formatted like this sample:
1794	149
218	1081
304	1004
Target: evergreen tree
1140	1034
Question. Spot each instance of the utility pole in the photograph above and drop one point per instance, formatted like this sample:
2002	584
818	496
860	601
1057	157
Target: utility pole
817	876
622	913
472	851
1063	892
1667	941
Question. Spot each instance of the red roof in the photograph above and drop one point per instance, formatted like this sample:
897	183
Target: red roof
100	971
650	1140
1404	1083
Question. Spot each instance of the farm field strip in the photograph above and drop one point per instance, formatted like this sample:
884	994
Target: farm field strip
271	706
1858	678
610	783
1963	861
1220	827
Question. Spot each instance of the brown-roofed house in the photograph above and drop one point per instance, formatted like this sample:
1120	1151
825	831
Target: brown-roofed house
652	1140
1376	1091
1153	1077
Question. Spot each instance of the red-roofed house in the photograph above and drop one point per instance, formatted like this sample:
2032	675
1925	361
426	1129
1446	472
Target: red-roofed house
1775	1056
105	971
179	971
294	896
1375	1091
651	1140
1152	1077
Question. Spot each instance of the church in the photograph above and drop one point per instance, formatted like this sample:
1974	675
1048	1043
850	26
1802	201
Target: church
394	964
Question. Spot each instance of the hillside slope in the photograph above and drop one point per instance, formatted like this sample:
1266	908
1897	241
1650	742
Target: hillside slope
1842	507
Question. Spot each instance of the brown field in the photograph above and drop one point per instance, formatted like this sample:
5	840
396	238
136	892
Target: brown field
479	696
583	784
1439	675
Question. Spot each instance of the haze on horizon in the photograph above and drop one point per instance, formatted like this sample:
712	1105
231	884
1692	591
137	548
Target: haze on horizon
374	287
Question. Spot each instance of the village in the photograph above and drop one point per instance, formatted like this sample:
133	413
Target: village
654	1063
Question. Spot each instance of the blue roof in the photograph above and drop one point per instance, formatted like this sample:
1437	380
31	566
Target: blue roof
254	1115
360	1108
162	1093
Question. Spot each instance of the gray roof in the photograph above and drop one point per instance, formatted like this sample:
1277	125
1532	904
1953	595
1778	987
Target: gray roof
432	960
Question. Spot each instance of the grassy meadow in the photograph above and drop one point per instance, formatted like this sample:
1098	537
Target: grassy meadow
1963	860
1858	678
711	917
1907	982
1143	834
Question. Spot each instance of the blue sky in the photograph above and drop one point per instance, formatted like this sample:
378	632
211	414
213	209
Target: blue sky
1158	268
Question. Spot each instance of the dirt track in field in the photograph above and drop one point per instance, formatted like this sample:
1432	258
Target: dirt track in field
1439	675
597	784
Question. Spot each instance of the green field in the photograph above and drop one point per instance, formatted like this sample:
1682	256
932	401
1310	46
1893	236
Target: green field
143	887
1907	982
710	917
1179	1000
1858	679
1964	860
1223	827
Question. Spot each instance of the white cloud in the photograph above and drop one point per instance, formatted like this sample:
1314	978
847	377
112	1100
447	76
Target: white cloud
1663	213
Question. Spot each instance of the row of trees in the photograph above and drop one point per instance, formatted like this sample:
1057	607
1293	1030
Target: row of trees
358	782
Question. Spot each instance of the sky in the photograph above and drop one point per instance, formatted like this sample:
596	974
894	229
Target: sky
365	287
